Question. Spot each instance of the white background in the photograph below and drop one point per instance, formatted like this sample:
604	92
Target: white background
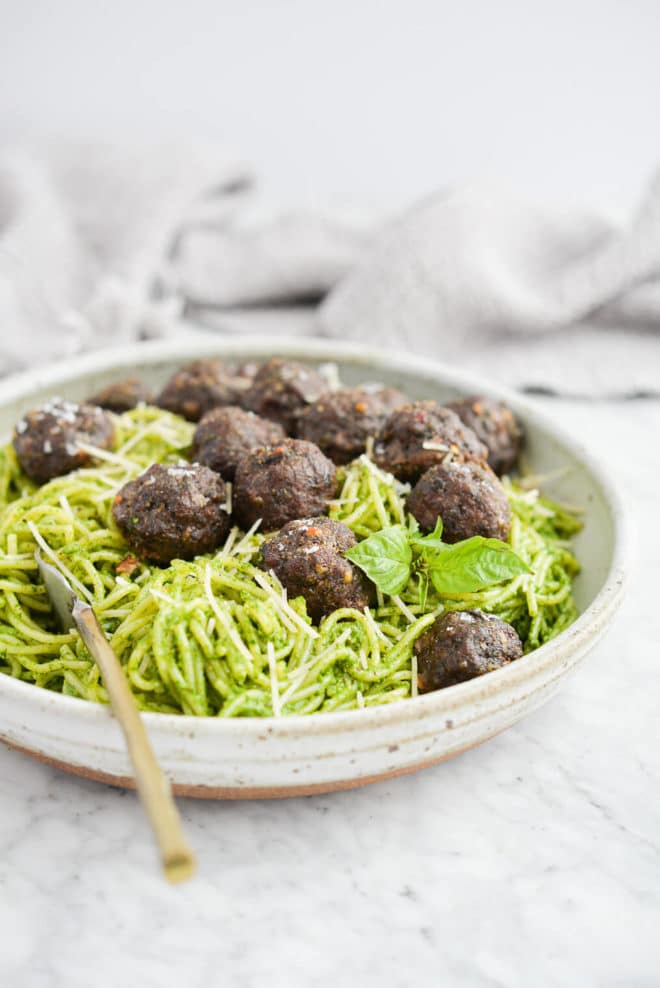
360	104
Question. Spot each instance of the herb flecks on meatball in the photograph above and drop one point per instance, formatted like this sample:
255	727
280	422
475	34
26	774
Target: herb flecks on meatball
226	434
307	557
341	422
197	388
173	512
467	496
460	645
280	483
48	439
496	426
421	434
122	396
281	389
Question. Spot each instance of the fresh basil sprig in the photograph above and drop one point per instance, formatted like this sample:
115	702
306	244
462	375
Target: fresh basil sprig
386	557
390	557
434	539
473	564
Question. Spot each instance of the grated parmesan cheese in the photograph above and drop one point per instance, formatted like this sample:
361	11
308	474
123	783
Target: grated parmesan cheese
405	610
57	562
282	602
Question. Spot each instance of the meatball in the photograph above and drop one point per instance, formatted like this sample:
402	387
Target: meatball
496	426
244	376
279	483
460	645
467	496
340	422
307	557
46	439
225	434
197	388
123	395
281	389
173	512
416	436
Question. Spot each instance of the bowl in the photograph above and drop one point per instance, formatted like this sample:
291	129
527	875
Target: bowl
268	757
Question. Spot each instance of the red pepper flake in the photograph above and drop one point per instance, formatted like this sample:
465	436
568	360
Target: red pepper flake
118	499
128	565
360	406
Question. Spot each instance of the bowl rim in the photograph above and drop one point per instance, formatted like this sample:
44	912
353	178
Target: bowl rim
570	643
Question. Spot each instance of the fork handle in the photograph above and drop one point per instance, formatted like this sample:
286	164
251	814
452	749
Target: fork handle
153	788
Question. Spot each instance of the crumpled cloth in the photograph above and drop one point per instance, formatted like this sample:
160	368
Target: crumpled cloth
101	245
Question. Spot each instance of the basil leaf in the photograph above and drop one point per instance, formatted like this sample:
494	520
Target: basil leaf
385	557
474	564
433	541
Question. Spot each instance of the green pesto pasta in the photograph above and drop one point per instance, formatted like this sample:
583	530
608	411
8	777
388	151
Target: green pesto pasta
217	636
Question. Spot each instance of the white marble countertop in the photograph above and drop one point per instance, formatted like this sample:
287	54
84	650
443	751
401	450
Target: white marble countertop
531	861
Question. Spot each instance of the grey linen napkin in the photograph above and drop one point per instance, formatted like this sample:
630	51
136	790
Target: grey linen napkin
99	246
85	231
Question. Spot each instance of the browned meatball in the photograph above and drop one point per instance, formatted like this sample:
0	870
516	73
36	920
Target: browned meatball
123	395
197	388
242	379
460	645
46	439
173	512
496	426
340	422
279	483
467	496
307	557
416	436
281	389
225	434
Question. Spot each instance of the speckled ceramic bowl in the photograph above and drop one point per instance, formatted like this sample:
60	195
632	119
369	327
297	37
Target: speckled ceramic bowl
244	758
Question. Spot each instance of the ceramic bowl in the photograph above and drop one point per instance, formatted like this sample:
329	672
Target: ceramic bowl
255	757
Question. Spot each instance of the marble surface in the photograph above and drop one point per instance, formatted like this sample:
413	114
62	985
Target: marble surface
533	860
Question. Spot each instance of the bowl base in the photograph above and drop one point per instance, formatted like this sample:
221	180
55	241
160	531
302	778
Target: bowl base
245	792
